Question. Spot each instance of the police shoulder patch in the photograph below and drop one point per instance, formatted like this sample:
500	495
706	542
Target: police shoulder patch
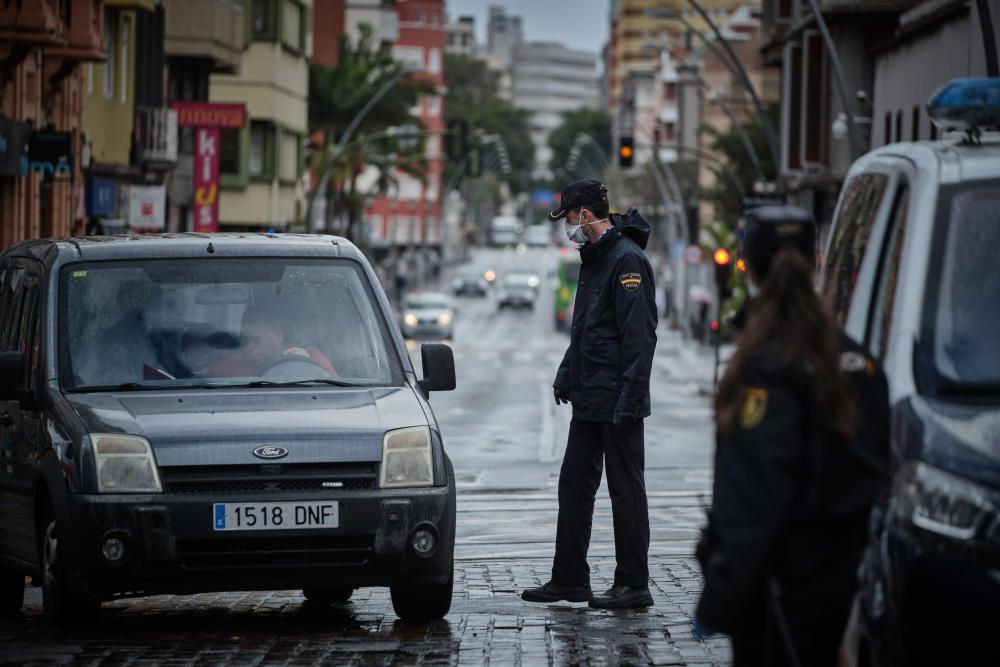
852	362
630	281
754	407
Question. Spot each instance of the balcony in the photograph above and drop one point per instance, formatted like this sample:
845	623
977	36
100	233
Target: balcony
32	22
211	29
84	39
155	135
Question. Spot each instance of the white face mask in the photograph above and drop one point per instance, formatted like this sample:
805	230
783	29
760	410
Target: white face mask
575	232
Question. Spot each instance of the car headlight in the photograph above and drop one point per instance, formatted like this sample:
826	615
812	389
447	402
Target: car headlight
406	458
533	281
490	276
444	319
942	503
410	320
125	464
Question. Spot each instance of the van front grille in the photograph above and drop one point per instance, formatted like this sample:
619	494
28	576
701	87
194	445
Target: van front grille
269	478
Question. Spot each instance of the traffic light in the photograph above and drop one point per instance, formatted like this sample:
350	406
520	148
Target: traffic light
625	152
456	139
723	268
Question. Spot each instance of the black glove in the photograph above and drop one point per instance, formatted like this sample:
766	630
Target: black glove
624	418
561	395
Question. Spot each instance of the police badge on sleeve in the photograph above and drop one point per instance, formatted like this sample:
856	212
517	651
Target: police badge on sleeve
630	281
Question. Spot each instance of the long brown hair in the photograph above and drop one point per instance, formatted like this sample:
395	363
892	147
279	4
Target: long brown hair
789	311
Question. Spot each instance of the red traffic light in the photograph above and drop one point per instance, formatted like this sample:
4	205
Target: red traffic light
721	256
715	325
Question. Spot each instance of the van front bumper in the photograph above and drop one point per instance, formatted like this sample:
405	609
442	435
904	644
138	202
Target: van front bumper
170	545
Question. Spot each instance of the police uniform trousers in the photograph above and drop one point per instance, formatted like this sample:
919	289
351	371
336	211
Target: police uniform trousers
591	446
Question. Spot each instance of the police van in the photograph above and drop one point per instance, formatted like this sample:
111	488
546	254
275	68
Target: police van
188	413
912	271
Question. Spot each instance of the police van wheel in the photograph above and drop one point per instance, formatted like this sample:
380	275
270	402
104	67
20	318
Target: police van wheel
327	595
420	604
11	591
63	607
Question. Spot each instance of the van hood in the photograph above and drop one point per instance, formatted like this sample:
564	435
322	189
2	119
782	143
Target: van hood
223	427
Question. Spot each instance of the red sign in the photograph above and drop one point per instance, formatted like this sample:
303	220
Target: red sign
206	179
693	255
210	114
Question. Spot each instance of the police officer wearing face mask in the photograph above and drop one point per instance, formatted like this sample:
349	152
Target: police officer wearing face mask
605	376
802	453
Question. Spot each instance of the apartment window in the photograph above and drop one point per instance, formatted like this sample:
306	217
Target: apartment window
260	162
410	55
229	152
887	130
123	36
899	125
264	19
434	61
795	106
290	152
669	132
434	106
90	78
915	130
812	143
109	46
293	34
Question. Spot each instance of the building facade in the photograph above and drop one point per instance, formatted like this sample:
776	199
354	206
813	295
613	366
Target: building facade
410	214
202	38
129	134
380	15
462	37
41	113
549	79
504	33
815	154
261	165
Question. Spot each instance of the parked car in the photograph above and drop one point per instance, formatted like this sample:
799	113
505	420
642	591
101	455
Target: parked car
912	273
181	414
428	315
518	290
470	283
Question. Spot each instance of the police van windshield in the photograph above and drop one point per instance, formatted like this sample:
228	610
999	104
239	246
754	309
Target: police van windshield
966	320
220	323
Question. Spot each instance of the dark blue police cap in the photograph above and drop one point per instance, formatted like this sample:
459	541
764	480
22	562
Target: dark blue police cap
577	194
768	229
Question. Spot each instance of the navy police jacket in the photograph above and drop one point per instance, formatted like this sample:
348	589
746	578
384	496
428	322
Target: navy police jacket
613	335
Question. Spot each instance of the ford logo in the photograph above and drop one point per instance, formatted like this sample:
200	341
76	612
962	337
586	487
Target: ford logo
270	452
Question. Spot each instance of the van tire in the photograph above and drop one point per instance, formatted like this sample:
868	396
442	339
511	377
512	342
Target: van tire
11	591
421	604
327	595
63	606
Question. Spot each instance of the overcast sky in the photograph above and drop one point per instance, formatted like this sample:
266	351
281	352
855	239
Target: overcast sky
580	24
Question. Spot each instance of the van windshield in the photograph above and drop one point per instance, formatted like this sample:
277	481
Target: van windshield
966	320
157	324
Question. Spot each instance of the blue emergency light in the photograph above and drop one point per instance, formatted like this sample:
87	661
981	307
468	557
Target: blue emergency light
966	104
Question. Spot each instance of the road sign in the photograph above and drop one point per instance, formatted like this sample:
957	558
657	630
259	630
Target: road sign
693	256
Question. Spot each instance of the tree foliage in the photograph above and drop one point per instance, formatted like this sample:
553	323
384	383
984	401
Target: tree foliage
473	96
593	123
731	147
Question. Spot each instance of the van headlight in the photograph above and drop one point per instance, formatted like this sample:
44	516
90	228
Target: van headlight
444	319
942	503
410	320
406	458
125	464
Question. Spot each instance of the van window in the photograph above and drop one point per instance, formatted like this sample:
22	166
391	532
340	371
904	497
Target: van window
879	324
221	322
965	314
851	232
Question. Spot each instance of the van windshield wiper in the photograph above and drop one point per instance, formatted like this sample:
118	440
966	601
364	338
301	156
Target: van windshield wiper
127	386
301	383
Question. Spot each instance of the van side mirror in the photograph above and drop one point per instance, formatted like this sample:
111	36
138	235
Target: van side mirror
10	375
439	367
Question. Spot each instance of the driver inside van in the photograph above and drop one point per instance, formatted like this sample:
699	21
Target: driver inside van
264	341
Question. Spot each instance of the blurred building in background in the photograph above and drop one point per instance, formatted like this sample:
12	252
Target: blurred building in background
261	164
129	132
42	47
503	34
549	79
462	37
409	216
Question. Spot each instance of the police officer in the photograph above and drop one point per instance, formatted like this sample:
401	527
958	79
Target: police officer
605	376
801	457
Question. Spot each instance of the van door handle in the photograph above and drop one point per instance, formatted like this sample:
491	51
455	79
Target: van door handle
5	419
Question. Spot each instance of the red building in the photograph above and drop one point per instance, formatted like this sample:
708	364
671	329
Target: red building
411	214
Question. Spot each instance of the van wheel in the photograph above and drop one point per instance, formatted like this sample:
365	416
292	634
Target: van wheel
63	606
11	591
327	595
421	604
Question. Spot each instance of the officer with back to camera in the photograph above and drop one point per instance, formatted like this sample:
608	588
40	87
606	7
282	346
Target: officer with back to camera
605	376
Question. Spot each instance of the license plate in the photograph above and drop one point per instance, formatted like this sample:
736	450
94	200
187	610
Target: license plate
275	516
